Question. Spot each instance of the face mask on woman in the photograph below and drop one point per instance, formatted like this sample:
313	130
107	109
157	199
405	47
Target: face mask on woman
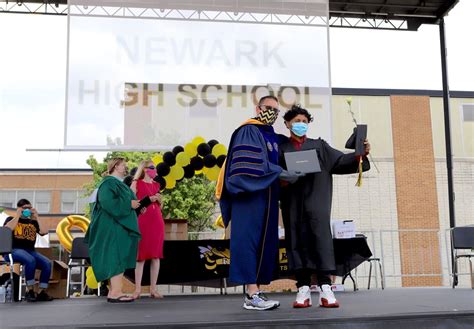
151	172
299	128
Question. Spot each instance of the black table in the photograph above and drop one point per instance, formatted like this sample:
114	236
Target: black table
206	262
349	254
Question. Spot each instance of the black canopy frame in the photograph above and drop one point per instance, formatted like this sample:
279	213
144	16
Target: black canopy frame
406	15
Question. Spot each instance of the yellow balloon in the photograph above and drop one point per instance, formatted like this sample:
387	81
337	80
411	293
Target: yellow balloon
190	149
63	230
198	172
176	173
182	159
91	281
198	140
213	173
170	182
158	158
219	149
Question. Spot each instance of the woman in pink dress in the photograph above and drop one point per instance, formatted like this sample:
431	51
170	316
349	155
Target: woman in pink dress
151	225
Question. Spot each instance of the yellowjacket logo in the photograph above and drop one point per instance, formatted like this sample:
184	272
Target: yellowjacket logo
283	259
212	257
25	231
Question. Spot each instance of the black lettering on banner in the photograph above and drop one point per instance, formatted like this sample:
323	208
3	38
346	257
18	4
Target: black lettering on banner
188	93
147	93
231	94
283	101
307	100
255	90
204	95
131	94
94	91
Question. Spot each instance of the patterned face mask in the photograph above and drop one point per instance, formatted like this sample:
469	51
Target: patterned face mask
267	115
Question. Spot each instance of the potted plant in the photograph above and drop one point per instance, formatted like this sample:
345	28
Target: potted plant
192	200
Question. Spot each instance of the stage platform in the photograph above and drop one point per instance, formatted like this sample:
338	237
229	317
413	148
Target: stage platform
404	308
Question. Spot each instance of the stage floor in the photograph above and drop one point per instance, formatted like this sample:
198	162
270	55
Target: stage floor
391	308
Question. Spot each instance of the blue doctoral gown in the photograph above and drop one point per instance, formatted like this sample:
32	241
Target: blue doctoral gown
250	199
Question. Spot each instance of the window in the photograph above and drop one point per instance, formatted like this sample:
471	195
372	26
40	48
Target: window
68	201
468	112
24	194
73	202
8	199
41	200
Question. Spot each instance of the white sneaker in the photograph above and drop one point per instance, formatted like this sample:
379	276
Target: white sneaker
327	298
303	297
259	302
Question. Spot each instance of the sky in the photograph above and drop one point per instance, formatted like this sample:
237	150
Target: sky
33	75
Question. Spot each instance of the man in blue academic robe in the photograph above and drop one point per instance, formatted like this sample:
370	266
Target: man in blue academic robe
249	198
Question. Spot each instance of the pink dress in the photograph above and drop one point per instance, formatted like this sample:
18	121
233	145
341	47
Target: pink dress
151	224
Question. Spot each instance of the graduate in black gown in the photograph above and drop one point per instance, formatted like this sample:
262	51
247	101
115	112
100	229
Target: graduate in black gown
306	209
249	200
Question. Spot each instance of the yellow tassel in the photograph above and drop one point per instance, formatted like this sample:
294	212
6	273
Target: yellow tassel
219	222
359	179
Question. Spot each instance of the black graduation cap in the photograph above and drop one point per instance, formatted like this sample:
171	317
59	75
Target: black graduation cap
356	141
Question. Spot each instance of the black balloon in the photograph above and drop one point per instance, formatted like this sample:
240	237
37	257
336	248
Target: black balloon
220	160
197	163
169	158
188	171
178	149
212	142
209	161
133	171
160	180
203	149
163	169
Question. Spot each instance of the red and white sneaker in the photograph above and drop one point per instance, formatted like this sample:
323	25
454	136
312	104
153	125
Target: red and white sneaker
303	297
327	298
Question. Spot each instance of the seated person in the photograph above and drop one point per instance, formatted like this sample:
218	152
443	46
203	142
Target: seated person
25	225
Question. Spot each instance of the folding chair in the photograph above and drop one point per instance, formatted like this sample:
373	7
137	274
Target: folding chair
6	241
79	258
462	237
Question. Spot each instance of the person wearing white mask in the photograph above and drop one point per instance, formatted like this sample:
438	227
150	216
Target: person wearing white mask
151	225
306	209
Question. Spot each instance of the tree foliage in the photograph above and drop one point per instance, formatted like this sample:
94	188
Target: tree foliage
191	199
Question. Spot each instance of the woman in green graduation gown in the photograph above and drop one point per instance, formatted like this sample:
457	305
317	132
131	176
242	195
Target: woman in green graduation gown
113	234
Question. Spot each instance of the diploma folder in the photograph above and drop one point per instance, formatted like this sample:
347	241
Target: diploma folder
305	162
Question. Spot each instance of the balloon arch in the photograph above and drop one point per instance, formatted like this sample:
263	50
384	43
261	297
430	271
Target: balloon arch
196	157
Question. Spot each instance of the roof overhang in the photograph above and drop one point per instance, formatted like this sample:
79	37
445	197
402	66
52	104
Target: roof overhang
414	12
342	13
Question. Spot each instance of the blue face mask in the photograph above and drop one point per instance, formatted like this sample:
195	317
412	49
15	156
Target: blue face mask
26	213
299	128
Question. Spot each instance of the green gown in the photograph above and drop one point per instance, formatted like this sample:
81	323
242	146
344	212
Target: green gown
113	234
